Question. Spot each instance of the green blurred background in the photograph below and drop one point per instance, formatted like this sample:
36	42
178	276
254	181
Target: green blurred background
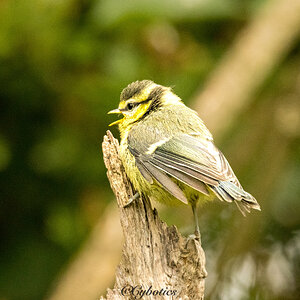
63	65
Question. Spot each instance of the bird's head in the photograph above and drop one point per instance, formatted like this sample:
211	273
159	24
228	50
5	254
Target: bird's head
141	98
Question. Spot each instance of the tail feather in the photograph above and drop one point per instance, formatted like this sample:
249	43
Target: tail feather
229	192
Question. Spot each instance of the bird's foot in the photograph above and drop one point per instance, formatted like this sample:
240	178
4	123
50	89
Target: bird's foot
194	237
193	241
197	235
134	197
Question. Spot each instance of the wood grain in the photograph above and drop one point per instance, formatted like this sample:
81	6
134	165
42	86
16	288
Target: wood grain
155	257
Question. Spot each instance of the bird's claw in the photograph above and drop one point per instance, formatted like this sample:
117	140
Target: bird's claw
134	197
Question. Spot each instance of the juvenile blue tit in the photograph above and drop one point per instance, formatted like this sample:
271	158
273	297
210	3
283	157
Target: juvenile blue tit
169	154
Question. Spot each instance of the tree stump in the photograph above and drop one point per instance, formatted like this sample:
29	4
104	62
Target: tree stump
157	262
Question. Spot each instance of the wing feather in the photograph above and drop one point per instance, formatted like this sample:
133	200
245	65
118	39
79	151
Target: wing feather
187	167
194	161
183	163
166	182
181	176
144	171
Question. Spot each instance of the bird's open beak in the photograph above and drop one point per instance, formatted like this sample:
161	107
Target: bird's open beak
115	111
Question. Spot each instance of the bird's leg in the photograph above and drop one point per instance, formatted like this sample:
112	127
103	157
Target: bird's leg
194	238
134	197
197	230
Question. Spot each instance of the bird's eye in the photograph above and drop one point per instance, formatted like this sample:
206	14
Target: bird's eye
130	106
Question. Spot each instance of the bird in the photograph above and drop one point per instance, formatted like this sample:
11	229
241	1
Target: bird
169	154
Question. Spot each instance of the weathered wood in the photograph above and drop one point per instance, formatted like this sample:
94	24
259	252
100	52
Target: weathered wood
155	258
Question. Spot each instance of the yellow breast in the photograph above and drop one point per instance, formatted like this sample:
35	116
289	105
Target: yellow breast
138	181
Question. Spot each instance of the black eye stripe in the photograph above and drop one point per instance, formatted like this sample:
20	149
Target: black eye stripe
133	104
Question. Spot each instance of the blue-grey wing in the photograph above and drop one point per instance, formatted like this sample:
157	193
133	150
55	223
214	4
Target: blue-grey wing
194	161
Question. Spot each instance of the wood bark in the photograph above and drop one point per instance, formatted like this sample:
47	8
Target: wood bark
156	259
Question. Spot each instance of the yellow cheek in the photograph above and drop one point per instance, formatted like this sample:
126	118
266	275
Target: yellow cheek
141	110
131	117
